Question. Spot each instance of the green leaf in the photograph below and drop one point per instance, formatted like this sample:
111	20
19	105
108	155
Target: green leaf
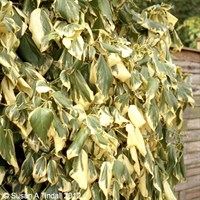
152	88
67	9
105	9
7	148
62	100
118	169
102	75
171	99
26	170
29	52
77	145
29	6
152	114
40	120
184	92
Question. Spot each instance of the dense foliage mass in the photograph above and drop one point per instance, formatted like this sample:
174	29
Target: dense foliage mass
188	13
91	103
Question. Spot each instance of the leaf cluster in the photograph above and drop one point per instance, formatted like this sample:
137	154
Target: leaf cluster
91	102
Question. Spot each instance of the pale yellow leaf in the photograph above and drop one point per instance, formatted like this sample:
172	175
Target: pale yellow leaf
136	116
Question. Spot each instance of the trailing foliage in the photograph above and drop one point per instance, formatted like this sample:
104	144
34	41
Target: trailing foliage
91	103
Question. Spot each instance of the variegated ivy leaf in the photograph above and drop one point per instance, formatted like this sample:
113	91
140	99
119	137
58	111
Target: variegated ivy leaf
116	189
120	72
105	117
118	118
8	91
40	170
80	91
52	172
7	148
168	191
29	192
152	89
59	134
69	31
77	145
142	184
79	170
42	87
41	119
92	172
134	156
136	116
157	179
64	185
105	9
152	114
26	170
105	177
62	100
184	92
67	9
76	48
101	75
93	124
135	138
40	26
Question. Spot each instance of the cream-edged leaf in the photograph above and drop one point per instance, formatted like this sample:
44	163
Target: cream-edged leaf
120	72
105	178
40	26
79	170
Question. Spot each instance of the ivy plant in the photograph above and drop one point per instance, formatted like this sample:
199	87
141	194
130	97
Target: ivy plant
91	102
